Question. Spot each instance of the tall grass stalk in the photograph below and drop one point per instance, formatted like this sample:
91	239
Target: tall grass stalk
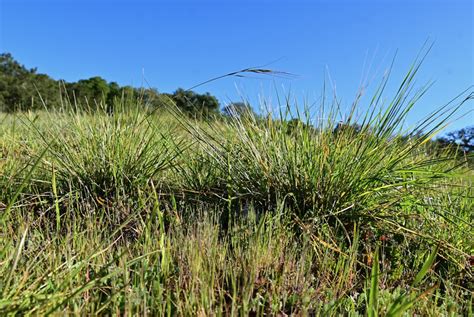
138	212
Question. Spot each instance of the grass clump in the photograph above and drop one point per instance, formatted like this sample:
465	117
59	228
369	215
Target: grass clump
106	156
129	212
362	167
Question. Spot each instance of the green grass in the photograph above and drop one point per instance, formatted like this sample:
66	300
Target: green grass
154	213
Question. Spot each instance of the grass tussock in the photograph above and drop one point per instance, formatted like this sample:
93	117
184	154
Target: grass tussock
154	213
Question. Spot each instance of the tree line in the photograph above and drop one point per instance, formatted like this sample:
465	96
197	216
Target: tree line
23	89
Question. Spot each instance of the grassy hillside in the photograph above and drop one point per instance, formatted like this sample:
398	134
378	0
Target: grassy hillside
159	214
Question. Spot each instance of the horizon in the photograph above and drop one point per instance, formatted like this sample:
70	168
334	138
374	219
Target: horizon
168	45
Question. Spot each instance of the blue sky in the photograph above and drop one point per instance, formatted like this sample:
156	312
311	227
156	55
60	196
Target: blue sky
170	44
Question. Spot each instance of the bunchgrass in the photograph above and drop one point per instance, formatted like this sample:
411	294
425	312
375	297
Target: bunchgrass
144	212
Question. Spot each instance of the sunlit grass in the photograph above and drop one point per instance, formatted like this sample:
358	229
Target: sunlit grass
153	213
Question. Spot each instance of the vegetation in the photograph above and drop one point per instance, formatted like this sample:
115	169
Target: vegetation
23	89
120	208
238	109
464	138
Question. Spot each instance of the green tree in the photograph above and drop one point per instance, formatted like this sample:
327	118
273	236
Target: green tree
238	110
352	128
24	89
194	103
93	91
464	138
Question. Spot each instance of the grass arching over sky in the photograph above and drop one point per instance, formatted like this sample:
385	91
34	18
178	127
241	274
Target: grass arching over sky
156	213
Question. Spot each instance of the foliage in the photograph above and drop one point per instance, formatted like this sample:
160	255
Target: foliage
194	103
152	213
91	90
82	158
464	138
355	170
23	89
238	110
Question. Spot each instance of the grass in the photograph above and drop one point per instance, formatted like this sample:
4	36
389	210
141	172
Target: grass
154	213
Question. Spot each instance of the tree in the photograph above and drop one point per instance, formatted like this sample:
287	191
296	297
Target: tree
350	128
464	138
14	86
238	110
152	99
92	91
113	93
195	104
295	125
24	89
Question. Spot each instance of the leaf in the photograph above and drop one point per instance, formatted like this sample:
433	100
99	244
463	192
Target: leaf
372	310
426	266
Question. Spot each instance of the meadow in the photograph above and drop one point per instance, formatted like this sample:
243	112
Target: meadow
153	212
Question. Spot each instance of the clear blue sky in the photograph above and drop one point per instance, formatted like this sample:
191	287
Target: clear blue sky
181	43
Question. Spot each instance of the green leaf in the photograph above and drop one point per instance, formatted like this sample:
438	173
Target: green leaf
426	266
372	310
